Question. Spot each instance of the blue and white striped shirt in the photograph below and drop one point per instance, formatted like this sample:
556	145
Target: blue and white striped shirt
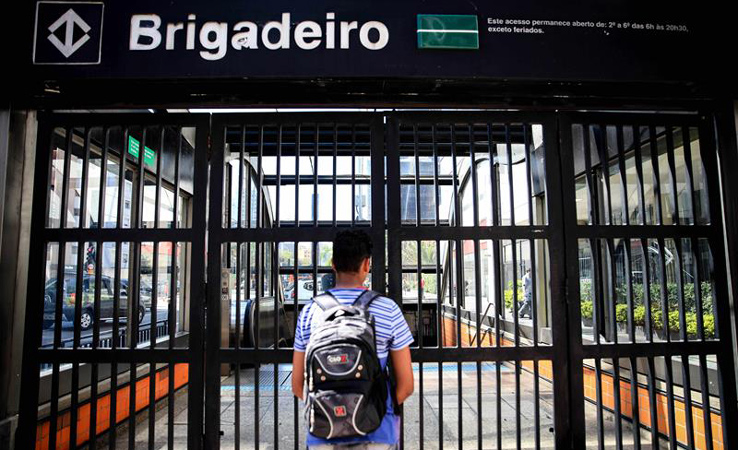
391	333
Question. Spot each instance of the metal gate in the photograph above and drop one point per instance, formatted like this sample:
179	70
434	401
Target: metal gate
542	260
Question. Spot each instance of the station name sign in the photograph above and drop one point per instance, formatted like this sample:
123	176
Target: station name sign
523	39
148	32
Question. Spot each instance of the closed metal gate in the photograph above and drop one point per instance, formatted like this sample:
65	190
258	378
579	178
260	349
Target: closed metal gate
562	274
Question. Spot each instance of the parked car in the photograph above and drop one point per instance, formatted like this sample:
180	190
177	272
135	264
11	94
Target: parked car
87	312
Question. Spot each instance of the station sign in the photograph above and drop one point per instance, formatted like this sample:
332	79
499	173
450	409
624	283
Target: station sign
621	40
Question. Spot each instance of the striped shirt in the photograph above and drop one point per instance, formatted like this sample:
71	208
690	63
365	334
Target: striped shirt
391	333
391	329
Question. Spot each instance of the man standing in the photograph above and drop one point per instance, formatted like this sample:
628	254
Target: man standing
527	294
352	263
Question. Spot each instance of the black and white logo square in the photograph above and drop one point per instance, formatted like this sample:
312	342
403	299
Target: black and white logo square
68	33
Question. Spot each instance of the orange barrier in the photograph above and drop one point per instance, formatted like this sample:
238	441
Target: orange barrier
122	406
468	339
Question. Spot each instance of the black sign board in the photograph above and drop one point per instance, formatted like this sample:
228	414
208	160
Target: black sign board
614	40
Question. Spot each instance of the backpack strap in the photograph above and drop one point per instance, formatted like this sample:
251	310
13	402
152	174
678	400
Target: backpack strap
365	299
326	301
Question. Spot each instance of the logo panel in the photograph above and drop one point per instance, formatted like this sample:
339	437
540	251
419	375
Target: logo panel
68	33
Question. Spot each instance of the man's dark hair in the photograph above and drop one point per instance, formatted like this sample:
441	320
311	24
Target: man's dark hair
350	248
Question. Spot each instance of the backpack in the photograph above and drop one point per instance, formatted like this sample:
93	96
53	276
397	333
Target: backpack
345	384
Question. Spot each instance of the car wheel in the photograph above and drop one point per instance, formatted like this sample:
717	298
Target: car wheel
85	320
141	313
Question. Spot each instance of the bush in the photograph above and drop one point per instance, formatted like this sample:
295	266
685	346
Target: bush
587	310
509	294
585	290
621	313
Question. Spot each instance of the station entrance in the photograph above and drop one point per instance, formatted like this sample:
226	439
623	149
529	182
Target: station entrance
563	275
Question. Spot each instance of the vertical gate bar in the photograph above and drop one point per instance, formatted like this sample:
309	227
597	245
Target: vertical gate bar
687	388
85	180
26	433
474	177
723	330
134	291
259	268
592	200
376	152
115	341
335	174
477	279
528	174
669	380
689	181
212	296
680	289
353	174
57	339
629	294
439	320
493	191
295	322
647	289
174	296
536	405
274	247
634	408
459	277
598	297
663	291
417	179
420	336
612	290
315	175
656	175
568	358
153	322
65	177
706	409
77	331
298	144
237	344
639	174
241	169
278	187
600	422
518	440
672	175
53	426
618	406
652	398
623	178
393	210
508	147
498	404
601	143
534	289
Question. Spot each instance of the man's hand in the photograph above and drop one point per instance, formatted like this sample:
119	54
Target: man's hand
298	373
402	366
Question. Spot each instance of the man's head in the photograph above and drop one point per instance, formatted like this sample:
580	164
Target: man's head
352	252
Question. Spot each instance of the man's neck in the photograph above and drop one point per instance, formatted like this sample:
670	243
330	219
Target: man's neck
349	281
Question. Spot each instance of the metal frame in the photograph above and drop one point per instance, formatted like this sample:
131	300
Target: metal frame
34	355
398	138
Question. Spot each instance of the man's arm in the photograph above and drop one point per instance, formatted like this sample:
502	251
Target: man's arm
403	369
298	372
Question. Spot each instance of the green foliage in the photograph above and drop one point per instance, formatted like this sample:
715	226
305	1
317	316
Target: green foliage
621	313
585	290
587	309
509	294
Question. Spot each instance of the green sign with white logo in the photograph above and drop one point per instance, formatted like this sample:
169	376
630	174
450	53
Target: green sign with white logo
448	31
134	148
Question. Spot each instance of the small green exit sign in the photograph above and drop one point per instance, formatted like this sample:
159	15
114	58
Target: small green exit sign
448	31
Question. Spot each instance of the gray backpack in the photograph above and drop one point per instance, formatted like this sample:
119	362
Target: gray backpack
346	387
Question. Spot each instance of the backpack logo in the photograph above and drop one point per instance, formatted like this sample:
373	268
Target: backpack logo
339	411
338	359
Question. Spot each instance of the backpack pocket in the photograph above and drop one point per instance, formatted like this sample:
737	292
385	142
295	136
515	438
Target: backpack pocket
339	363
338	415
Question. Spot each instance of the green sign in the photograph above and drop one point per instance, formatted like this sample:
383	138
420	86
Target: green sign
134	148
448	31
149	156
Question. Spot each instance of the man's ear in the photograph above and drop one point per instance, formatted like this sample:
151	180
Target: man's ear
367	266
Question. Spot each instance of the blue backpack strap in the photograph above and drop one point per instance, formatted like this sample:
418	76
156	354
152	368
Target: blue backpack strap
365	299
326	301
